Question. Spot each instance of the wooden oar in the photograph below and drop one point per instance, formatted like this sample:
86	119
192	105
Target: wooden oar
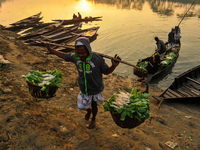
103	55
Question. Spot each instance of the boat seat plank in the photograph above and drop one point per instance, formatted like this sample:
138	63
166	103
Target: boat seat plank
170	94
183	93
188	91
192	89
193	80
167	96
174	93
192	84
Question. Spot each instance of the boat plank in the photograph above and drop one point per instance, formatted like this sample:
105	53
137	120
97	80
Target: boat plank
188	91
192	89
173	92
184	94
171	95
167	96
193	80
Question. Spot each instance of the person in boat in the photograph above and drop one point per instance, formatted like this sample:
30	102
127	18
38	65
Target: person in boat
74	16
177	35
79	16
152	68
90	68
161	48
171	38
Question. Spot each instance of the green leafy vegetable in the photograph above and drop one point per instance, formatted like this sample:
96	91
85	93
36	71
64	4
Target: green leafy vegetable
134	104
44	79
142	65
168	59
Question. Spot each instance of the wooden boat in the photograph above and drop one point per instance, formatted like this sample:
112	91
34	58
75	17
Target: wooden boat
60	38
32	19
59	31
69	43
72	21
41	31
162	68
184	88
28	25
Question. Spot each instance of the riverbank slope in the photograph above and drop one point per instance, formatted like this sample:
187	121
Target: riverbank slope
55	123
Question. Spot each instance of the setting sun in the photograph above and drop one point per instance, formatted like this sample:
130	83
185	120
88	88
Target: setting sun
83	5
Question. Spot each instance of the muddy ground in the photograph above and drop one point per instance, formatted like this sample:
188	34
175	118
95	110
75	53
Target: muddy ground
45	124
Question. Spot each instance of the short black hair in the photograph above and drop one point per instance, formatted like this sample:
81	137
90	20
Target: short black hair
156	38
157	58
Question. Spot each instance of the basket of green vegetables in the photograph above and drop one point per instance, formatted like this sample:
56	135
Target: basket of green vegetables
140	72
43	84
128	110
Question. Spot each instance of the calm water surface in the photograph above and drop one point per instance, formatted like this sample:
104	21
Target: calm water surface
128	27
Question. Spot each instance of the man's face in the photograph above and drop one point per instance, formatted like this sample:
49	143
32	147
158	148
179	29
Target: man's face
82	52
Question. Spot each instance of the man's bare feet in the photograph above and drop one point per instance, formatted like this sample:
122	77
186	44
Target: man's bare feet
92	124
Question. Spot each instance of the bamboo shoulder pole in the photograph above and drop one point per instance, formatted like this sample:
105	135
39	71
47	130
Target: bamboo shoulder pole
103	55
109	57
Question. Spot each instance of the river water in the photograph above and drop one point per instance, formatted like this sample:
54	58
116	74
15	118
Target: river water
128	27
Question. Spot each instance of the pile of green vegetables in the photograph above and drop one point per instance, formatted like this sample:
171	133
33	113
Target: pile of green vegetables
44	79
142	64
134	104
168	59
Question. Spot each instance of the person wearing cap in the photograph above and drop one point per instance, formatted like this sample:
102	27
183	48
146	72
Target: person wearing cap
90	68
152	68
161	48
171	38
177	35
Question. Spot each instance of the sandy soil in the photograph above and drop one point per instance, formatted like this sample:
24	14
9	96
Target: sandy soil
44	124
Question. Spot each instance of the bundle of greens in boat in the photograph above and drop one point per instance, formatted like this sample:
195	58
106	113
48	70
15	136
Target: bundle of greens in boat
45	79
134	104
168	59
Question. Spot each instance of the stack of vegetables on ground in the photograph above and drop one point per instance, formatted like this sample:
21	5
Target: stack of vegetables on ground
45	79
134	105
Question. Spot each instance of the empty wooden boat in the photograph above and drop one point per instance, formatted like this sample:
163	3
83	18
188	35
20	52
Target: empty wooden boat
184	88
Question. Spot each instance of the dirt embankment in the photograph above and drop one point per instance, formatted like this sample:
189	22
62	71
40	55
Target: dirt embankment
55	123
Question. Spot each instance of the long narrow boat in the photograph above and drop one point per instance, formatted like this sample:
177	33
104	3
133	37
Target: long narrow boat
184	88
62	30
68	44
63	37
72	21
41	31
32	19
28	25
91	34
165	65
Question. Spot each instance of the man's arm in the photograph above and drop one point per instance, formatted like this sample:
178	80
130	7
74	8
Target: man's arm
55	52
114	64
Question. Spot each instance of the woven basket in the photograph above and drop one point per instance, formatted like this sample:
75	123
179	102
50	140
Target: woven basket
127	123
139	73
36	91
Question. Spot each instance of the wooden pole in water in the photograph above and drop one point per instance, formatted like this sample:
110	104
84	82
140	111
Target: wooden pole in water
186	13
